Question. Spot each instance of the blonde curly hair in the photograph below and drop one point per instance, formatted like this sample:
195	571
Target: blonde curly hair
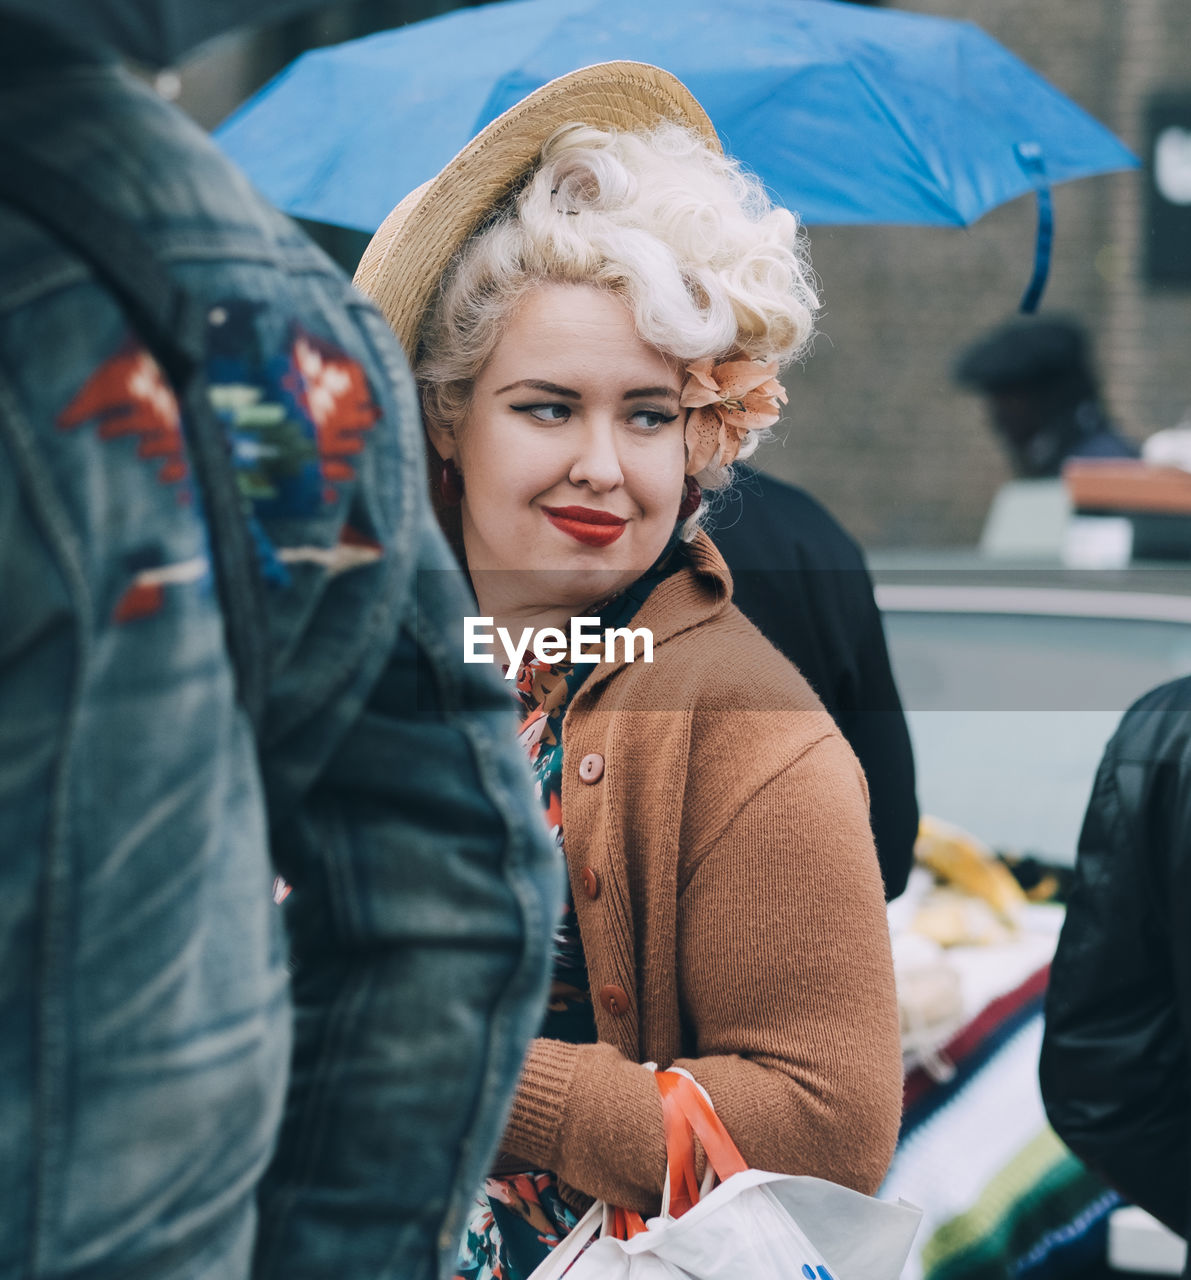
705	262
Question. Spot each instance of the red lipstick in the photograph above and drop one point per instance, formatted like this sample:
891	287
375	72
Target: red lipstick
585	524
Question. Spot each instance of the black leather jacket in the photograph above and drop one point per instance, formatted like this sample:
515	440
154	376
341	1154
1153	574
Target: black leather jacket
1115	1069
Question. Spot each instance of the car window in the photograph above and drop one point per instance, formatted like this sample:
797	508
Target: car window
1009	713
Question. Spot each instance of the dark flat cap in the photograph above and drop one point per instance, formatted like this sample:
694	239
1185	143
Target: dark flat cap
1025	352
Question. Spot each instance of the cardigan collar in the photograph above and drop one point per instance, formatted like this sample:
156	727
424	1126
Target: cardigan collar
699	590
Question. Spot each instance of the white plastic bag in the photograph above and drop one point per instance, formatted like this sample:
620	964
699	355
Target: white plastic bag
752	1226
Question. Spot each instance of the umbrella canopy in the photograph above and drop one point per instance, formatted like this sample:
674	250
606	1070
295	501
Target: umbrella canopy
155	32
848	114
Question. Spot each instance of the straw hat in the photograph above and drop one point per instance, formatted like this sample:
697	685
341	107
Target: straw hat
405	260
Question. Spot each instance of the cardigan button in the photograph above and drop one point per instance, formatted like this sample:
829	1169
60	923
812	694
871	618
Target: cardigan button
590	882
591	768
614	1000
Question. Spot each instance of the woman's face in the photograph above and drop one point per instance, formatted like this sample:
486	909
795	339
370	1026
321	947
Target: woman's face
571	454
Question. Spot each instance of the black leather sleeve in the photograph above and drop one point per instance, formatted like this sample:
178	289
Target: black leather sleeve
1114	1069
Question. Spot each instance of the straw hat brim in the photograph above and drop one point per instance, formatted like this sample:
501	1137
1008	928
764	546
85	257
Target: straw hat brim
406	258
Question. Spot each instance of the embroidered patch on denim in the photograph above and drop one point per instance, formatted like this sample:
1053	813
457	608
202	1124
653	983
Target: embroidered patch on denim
295	420
352	551
129	396
334	391
146	594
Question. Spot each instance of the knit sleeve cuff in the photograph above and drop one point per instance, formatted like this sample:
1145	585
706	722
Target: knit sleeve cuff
536	1119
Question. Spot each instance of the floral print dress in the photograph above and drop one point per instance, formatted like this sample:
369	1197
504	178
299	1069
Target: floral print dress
519	1218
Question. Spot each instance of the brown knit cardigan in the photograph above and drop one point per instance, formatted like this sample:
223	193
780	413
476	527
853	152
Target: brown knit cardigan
737	926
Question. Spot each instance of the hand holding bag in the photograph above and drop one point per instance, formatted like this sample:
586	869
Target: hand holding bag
753	1225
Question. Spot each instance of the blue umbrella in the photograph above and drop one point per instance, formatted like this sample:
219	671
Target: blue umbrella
848	114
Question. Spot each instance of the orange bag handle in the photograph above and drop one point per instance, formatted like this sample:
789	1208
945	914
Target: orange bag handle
626	1223
680	1157
686	1113
683	1100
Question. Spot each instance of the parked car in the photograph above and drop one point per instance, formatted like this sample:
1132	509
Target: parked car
1014	679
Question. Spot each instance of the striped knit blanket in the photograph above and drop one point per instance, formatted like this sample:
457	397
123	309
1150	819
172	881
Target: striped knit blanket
1001	1196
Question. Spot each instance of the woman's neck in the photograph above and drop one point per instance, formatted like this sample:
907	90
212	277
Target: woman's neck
514	620
528	599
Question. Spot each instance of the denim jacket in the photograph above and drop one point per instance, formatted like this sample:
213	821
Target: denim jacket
195	1081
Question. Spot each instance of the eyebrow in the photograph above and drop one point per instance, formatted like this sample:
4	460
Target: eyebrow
642	393
534	384
552	388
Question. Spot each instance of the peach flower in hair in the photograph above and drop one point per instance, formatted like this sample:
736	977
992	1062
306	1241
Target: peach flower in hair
727	401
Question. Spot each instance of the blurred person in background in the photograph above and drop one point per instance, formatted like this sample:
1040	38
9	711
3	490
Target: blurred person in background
227	648
1037	377
802	581
1116	1051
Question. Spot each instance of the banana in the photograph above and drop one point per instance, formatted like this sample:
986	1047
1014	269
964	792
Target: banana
959	859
